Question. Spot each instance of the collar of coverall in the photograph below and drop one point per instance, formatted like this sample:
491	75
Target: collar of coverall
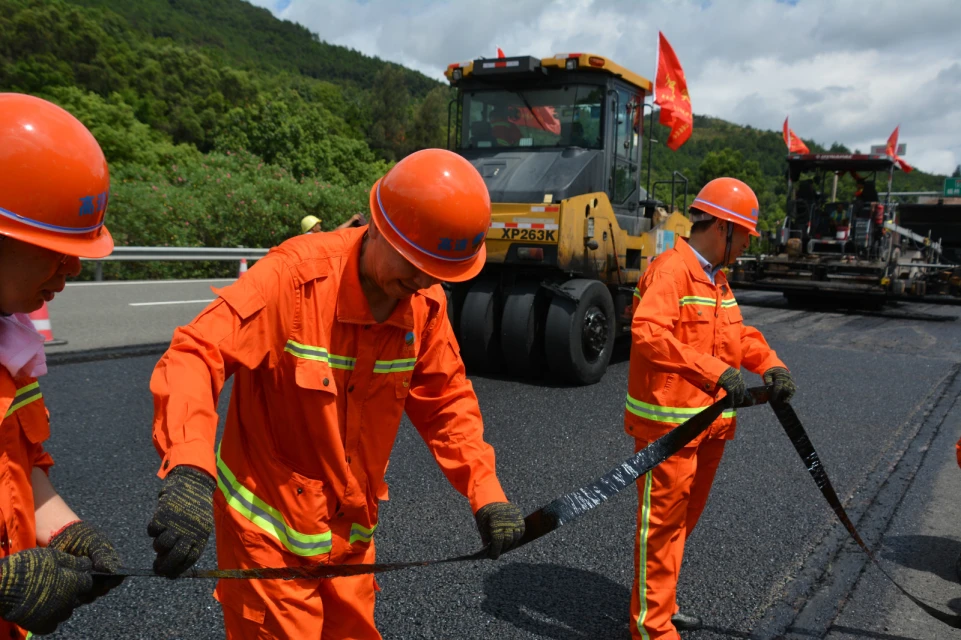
690	259
352	304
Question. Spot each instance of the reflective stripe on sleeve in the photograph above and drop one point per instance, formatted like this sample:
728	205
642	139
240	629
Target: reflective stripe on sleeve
23	397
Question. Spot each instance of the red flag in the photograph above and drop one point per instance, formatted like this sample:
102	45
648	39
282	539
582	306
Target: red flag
892	150
544	118
500	53
671	94
794	144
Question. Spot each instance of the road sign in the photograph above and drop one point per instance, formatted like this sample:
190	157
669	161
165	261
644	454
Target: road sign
881	149
952	187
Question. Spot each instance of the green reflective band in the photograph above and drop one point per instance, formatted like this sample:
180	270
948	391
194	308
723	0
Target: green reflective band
307	352
390	366
267	518
697	300
320	354
670	415
23	397
727	304
642	554
637	293
360	533
342	362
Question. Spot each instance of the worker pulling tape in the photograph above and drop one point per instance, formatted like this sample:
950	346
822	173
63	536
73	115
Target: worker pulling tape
570	506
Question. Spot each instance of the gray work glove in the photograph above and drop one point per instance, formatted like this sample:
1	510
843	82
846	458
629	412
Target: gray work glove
733	382
783	386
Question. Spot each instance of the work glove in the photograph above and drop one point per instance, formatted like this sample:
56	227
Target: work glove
84	540
784	387
183	520
733	382
40	587
501	527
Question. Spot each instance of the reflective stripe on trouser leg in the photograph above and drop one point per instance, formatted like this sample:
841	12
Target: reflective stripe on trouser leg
662	510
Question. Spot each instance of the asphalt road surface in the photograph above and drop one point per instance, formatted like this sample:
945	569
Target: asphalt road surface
879	398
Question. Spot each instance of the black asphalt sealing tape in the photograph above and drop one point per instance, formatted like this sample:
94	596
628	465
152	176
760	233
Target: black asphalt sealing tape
566	508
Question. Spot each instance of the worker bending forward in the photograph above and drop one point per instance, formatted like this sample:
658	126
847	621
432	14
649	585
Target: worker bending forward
54	183
688	343
330	338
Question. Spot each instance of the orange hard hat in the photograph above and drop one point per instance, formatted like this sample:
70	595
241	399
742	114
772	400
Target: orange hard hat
54	181
729	199
434	209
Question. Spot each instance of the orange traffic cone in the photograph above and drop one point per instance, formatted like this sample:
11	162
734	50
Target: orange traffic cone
243	267
41	322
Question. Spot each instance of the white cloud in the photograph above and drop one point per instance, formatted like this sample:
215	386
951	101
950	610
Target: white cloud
846	71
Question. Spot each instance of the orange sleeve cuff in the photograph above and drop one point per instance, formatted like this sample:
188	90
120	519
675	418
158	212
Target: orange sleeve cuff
194	454
43	461
486	493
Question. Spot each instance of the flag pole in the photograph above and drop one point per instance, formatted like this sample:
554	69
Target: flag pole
650	135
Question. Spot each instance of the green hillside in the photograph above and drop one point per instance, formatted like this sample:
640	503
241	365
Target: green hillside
224	126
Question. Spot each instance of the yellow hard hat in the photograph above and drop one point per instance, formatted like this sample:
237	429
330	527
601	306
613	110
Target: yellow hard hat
308	223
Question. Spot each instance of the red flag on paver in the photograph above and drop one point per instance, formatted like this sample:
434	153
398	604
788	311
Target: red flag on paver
892	150
670	89
500	53
794	143
544	118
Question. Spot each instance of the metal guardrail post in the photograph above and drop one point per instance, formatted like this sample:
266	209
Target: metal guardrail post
98	272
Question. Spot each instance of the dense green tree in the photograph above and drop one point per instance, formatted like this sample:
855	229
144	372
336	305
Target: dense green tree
389	103
429	128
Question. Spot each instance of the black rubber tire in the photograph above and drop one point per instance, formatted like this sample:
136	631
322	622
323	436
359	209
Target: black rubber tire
522	329
479	335
455	301
564	332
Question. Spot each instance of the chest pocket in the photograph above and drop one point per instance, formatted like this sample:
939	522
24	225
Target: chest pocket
731	311
312	368
29	411
398	373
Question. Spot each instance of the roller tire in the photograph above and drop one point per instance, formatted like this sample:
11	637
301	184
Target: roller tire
569	356
522	330
479	335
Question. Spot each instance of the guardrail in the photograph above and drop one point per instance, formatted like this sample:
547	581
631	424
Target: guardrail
174	254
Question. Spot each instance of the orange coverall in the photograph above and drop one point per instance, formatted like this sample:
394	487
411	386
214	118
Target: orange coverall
25	426
319	390
686	332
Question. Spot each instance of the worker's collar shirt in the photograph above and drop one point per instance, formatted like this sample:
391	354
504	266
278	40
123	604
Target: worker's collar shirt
709	269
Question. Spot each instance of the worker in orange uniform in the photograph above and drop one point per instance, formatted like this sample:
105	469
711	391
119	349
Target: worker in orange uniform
688	344
53	194
330	338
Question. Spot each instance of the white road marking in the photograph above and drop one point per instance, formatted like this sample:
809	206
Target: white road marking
143	282
153	304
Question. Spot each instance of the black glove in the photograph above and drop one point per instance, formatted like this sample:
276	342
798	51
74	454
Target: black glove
40	588
183	520
732	382
82	539
784	387
501	527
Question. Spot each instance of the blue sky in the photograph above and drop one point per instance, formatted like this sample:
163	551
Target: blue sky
845	70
